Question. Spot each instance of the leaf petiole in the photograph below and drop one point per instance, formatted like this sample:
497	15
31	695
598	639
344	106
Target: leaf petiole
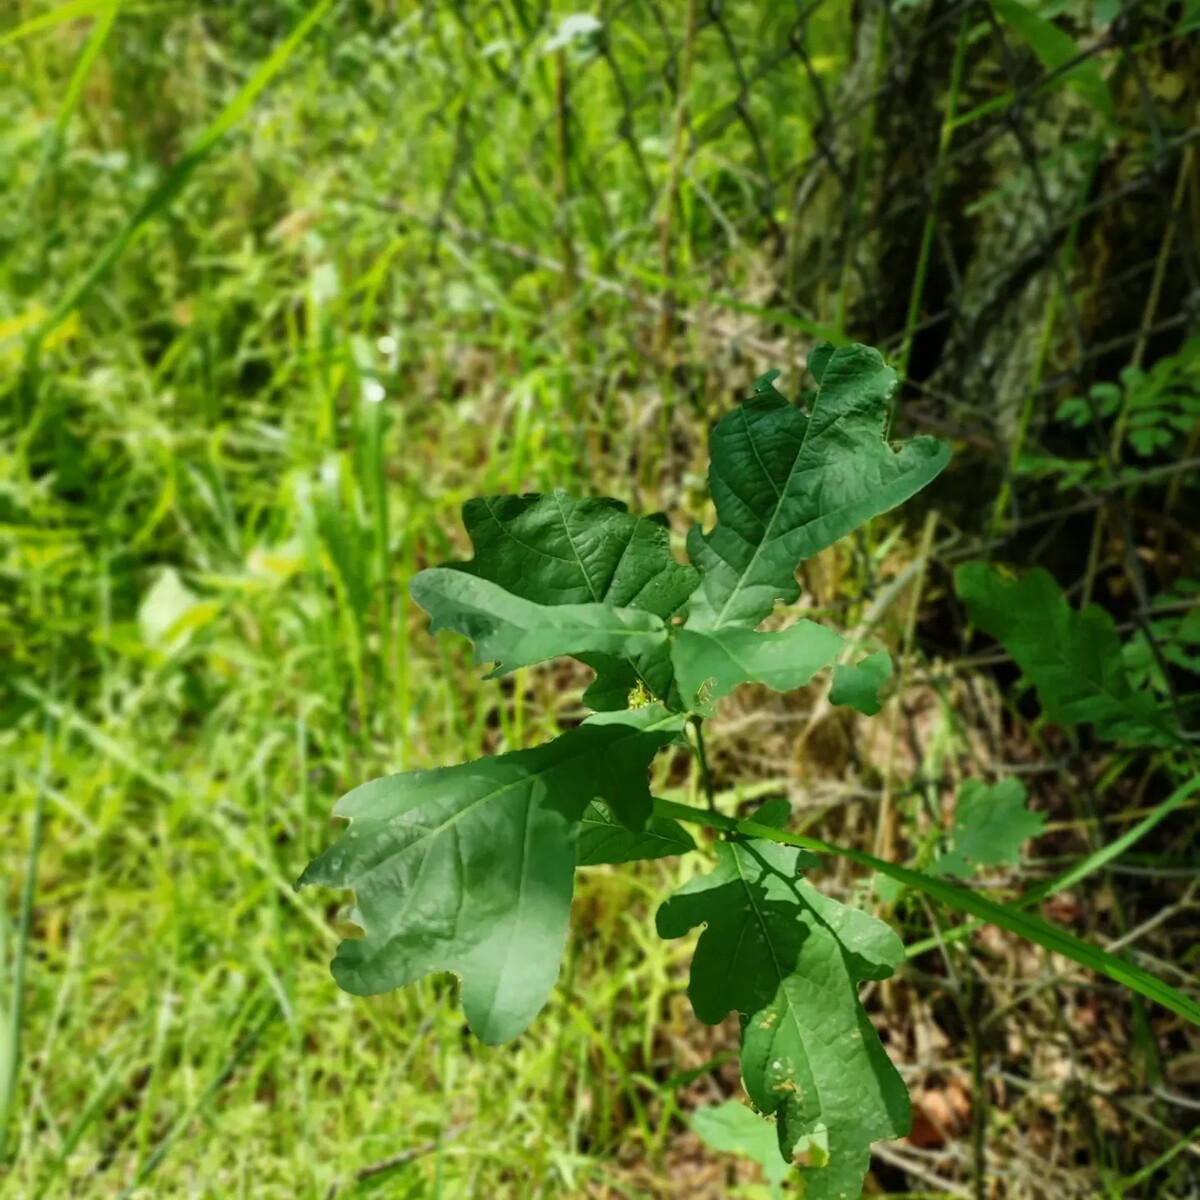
696	741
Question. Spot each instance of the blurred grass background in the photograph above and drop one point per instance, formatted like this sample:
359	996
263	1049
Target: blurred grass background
282	285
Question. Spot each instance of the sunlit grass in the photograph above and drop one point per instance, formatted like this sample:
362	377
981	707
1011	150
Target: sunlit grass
261	393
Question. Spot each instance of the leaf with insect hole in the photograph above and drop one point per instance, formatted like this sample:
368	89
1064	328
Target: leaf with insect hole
787	482
789	960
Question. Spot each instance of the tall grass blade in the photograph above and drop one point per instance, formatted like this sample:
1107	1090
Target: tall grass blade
1056	50
73	10
1006	916
10	1046
264	1012
102	27
161	197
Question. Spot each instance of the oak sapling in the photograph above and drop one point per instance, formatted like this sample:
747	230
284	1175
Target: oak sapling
470	868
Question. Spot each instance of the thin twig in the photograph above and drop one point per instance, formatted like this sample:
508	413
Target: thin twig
398	1159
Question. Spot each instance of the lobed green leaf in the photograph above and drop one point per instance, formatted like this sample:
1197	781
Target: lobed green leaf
786	484
1072	657
858	684
790	960
470	868
553	549
991	823
603	839
514	632
1006	916
710	664
732	1128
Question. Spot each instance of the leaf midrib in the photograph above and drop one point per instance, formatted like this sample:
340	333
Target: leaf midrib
781	985
744	669
432	832
758	457
516	913
512	537
762	923
562	516
781	493
557	622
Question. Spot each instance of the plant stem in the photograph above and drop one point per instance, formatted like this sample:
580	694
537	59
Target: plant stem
671	197
971	1011
697	727
11	1047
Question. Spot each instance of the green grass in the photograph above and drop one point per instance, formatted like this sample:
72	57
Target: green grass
264	325
196	746
243	396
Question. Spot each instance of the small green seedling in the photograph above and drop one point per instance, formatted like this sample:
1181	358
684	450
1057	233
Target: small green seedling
470	868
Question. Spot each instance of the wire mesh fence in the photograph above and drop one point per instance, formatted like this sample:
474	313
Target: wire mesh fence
899	172
1007	204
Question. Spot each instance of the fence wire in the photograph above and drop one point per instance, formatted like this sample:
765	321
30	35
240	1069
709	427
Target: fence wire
1007	205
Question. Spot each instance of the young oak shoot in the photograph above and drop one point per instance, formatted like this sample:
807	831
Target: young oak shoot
470	868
